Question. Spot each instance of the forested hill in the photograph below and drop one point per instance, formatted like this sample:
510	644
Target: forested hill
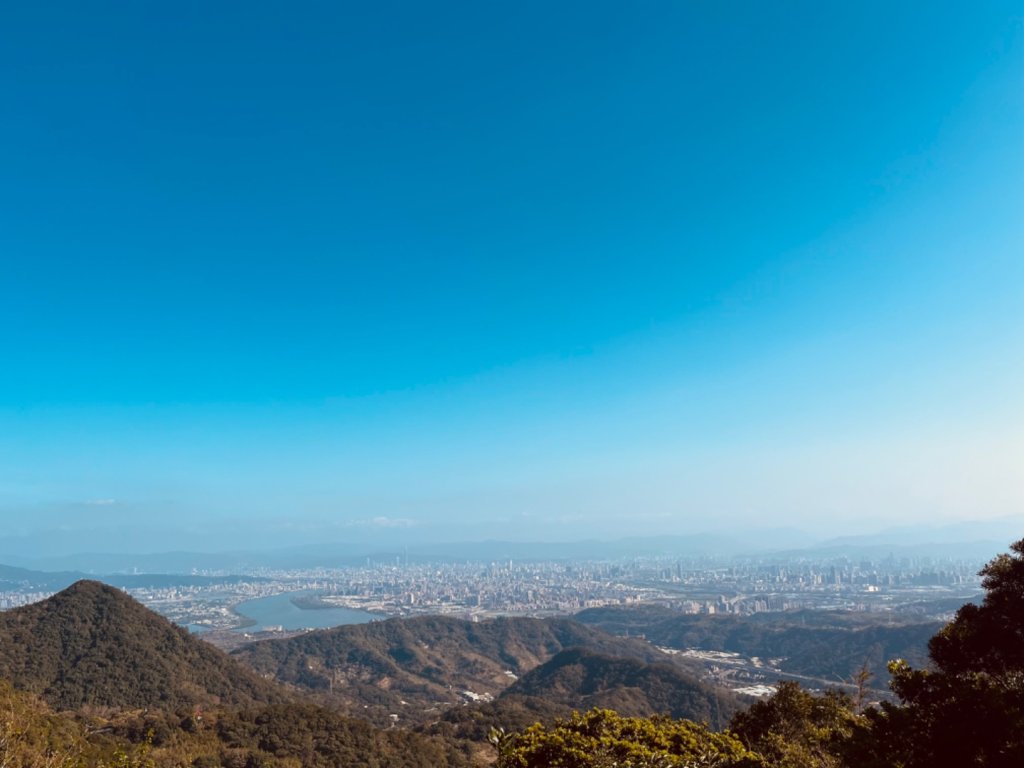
577	679
580	679
830	646
93	645
274	736
428	661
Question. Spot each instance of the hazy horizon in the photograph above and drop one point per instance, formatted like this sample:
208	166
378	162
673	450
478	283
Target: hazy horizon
467	272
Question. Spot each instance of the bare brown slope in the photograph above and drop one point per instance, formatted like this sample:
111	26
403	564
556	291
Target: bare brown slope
93	645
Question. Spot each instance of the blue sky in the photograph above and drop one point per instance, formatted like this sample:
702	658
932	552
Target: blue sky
510	269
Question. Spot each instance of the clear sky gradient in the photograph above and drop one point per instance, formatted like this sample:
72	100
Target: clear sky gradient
525	270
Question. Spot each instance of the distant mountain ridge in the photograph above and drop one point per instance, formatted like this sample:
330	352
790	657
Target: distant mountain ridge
982	540
93	645
14	578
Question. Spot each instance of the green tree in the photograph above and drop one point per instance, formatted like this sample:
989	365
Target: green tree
603	739
968	710
796	729
31	736
989	638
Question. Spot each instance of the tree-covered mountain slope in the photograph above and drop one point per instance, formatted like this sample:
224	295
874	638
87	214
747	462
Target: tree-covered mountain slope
577	679
415	668
829	646
93	645
291	735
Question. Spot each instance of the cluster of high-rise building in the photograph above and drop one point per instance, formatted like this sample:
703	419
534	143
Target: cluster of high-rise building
540	588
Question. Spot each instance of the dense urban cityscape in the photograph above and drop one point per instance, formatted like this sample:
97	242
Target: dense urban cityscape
927	587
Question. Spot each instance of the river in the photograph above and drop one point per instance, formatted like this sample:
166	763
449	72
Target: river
279	611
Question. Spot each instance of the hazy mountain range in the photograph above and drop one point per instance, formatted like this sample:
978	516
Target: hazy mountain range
96	552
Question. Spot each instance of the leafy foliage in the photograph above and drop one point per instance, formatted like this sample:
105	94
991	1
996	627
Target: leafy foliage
279	736
602	739
968	709
32	736
989	638
795	729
